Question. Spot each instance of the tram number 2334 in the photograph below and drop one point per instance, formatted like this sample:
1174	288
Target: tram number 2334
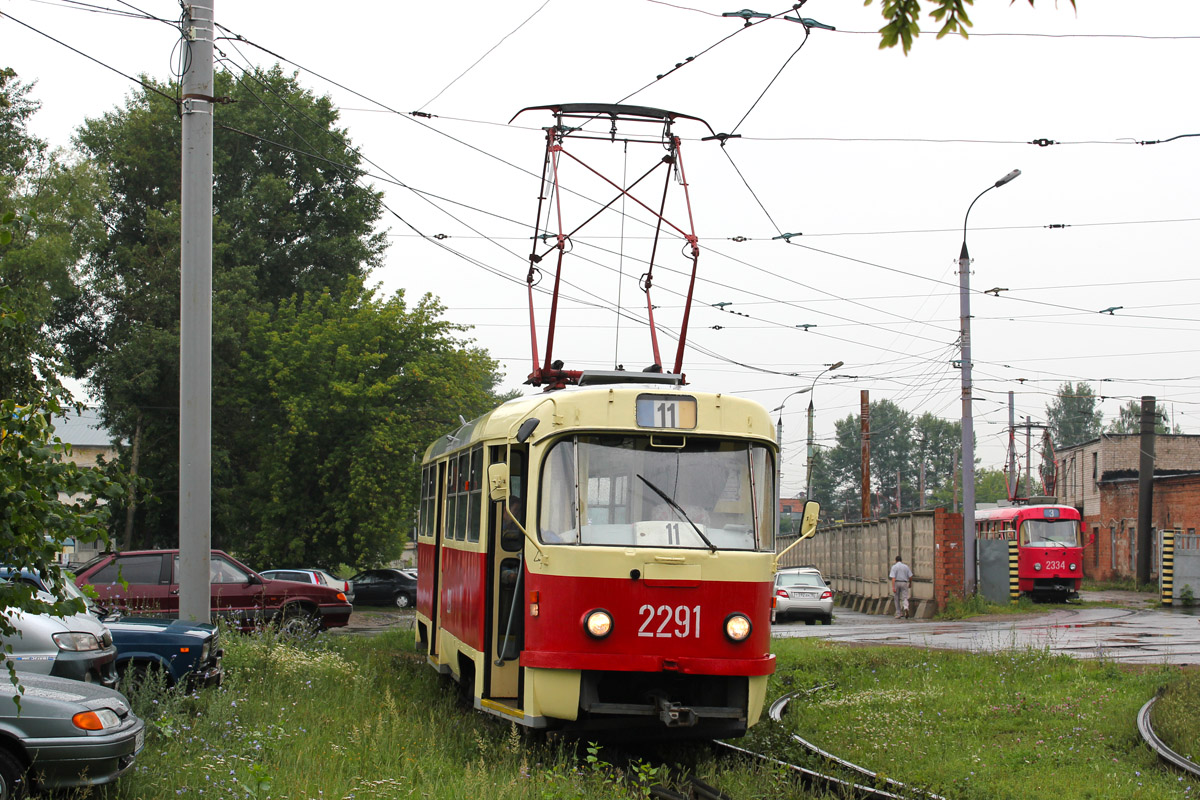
667	622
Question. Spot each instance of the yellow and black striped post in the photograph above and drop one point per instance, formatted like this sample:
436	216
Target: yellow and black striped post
1168	568
1014	584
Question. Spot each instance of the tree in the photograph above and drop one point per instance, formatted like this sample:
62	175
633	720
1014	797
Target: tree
1129	419
342	395
290	219
891	454
1073	416
904	20
51	214
37	482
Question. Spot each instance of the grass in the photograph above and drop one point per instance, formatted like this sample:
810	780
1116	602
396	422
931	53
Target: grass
1122	584
1175	719
360	718
1016	724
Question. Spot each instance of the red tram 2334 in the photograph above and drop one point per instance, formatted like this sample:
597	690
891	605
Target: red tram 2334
1049	550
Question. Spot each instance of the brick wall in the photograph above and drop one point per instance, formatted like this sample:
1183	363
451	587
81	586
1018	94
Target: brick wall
948	557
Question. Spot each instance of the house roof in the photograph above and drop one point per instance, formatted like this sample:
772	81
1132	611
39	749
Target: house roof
83	429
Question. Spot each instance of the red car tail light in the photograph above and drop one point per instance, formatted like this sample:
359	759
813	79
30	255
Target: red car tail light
781	593
825	595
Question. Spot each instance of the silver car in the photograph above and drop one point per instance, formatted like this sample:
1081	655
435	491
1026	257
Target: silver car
77	647
316	576
801	593
66	734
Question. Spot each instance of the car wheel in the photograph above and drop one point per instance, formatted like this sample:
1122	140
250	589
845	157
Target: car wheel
298	624
13	785
827	619
403	601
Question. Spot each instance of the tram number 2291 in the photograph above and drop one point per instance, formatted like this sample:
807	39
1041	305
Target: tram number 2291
679	622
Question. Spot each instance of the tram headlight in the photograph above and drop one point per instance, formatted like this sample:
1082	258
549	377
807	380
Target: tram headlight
1038	566
738	627
1072	566
598	623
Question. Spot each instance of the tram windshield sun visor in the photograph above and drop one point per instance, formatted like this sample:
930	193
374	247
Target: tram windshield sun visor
621	490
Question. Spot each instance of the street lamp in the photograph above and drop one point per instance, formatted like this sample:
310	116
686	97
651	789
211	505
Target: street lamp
779	427
968	426
808	465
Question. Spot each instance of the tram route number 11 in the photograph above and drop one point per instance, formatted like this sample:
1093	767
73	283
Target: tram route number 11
666	412
686	621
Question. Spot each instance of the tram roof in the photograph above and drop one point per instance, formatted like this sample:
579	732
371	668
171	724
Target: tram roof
503	421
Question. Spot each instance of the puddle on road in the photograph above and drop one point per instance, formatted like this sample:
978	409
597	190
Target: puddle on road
1097	624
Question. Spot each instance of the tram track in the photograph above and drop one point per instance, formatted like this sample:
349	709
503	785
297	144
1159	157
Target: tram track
1161	749
855	781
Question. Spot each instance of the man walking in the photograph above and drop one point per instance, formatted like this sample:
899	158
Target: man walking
901	577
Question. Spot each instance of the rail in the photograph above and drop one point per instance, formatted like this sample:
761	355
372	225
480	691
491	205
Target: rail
1160	748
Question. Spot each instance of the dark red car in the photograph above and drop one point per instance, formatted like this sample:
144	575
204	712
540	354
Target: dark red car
145	582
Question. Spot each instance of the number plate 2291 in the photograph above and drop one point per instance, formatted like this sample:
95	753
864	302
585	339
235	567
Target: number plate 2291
666	622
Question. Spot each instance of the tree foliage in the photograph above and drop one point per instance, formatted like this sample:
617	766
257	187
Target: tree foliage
1129	419
1074	415
46	500
900	446
324	395
341	396
904	20
290	218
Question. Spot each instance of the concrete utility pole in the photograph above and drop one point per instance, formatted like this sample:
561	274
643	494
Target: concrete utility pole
968	418
864	399
195	340
1012	449
1145	542
1028	472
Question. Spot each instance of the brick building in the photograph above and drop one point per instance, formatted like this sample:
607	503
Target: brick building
1100	478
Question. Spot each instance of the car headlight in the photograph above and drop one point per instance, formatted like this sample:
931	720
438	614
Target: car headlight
76	641
738	627
204	652
598	623
98	720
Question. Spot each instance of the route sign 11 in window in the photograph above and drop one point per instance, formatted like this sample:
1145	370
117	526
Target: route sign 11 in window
666	411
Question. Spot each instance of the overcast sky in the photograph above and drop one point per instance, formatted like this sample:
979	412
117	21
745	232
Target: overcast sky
873	156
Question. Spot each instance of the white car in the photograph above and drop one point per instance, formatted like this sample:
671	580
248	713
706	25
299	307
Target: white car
801	593
315	576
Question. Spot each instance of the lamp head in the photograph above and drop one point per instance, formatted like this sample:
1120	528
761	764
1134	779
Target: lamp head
1007	178
837	364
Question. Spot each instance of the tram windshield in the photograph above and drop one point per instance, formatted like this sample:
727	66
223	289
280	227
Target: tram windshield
688	493
1050	532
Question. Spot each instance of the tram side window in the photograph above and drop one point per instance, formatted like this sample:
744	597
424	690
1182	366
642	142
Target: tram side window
451	497
474	492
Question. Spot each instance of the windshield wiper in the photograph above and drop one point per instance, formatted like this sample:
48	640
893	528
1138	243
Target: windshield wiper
678	508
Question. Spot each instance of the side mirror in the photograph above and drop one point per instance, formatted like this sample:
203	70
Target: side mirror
497	481
812	515
1091	540
253	579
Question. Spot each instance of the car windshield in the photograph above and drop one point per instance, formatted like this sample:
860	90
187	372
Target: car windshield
688	492
1050	532
801	580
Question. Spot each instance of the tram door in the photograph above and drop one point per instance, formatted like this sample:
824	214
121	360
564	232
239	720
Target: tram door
506	626
438	519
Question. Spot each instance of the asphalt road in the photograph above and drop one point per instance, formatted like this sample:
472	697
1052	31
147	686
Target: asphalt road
1129	635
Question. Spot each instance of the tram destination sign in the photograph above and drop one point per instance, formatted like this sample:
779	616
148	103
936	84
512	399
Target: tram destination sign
666	411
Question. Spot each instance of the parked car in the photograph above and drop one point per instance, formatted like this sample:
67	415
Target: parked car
801	593
146	582
66	734
385	587
183	651
78	646
318	576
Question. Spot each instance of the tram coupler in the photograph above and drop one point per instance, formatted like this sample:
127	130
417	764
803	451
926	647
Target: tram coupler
674	715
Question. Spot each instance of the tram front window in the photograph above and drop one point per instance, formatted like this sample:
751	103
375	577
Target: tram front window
621	491
1050	533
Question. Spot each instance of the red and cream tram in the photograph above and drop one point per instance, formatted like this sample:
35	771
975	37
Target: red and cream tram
601	558
1050	553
